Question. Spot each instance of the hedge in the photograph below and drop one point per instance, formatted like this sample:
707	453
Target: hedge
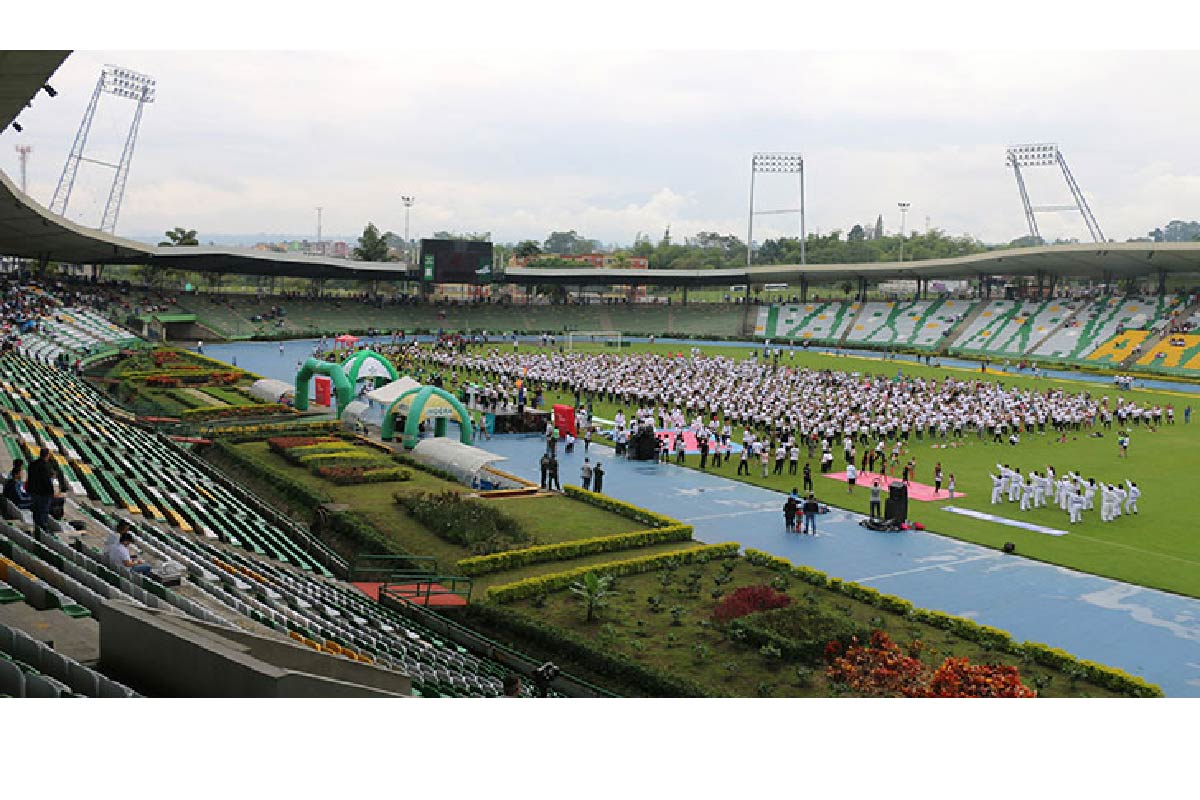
520	590
656	682
562	551
1109	677
618	507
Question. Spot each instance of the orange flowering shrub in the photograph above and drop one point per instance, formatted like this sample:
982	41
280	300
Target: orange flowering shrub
883	669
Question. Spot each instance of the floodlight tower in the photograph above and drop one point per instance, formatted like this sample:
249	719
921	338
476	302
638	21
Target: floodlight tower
903	218
120	82
407	200
23	151
1048	155
787	164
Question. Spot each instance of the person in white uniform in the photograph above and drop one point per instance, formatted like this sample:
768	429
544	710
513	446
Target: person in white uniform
997	489
1133	494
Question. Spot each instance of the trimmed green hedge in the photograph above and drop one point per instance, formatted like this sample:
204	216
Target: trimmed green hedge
616	506
655	682
563	551
287	487
520	590
1109	677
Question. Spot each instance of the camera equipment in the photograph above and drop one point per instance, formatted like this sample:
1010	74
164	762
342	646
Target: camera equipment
543	675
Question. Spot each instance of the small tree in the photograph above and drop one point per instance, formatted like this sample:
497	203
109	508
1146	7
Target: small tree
180	237
595	590
372	245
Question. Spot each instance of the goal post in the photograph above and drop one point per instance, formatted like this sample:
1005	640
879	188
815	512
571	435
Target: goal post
605	338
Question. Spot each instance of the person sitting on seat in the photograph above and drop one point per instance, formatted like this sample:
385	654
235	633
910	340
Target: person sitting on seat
116	550
14	487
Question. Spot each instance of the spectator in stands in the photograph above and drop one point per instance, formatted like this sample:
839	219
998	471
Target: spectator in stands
116	550
41	488
14	487
512	685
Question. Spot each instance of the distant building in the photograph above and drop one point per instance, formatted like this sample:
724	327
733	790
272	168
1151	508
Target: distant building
597	260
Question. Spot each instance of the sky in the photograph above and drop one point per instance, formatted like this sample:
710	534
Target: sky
613	144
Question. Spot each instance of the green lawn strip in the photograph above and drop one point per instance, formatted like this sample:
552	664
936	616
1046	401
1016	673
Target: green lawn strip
697	650
1153	549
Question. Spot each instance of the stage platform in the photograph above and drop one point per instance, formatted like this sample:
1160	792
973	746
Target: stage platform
916	491
690	446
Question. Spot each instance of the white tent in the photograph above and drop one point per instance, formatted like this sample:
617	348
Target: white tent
270	390
356	411
387	394
469	464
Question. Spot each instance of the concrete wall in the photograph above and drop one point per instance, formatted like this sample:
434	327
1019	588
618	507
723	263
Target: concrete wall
164	654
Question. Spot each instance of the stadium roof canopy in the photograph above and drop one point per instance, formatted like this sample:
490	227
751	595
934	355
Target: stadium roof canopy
29	230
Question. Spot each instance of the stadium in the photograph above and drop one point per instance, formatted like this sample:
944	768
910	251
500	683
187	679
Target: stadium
567	483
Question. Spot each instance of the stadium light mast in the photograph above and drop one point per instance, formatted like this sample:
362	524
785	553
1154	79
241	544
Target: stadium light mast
1048	155
23	151
319	210
407	200
119	82
781	163
903	218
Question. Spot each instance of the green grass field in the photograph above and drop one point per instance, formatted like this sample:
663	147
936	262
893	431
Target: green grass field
1157	548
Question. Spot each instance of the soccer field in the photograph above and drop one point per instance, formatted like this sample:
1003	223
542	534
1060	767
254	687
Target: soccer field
1157	548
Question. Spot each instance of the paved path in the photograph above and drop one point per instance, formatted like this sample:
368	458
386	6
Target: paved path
1143	631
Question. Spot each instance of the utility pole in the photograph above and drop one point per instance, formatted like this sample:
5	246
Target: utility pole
407	200
903	216
23	151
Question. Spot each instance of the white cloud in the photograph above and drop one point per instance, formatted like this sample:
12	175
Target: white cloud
610	144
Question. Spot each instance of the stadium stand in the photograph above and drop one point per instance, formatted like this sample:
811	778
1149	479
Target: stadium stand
30	668
241	567
920	324
233	316
819	321
1095	324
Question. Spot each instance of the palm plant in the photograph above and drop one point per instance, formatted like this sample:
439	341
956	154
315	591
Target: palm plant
595	590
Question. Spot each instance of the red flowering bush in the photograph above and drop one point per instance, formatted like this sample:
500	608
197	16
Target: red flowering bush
958	677
880	669
883	669
748	600
348	475
162	356
163	381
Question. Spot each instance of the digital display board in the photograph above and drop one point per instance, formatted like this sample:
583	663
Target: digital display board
456	261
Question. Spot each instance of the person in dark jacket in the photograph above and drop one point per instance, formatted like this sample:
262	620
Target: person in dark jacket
14	487
41	488
597	478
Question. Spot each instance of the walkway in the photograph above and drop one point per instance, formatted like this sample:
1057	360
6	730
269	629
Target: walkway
1142	631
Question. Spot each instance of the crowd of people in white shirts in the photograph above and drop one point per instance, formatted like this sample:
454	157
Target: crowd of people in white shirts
781	401
1069	491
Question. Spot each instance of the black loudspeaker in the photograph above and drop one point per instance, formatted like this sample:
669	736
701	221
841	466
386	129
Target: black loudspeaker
1009	547
896	507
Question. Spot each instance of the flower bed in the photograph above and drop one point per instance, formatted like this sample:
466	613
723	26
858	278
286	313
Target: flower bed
348	475
208	413
1108	677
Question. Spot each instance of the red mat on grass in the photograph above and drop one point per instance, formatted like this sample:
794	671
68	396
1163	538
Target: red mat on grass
916	491
415	594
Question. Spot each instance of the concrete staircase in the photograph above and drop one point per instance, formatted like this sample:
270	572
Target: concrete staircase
846	333
960	327
1066	321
